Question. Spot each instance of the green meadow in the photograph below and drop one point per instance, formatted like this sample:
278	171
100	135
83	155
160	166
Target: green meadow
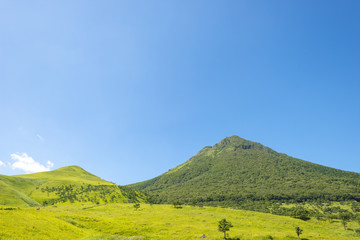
163	222
67	184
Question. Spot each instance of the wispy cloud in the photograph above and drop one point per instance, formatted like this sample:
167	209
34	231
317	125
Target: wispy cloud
40	137
26	163
2	164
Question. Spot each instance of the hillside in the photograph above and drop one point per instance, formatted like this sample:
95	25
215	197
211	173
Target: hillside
235	172
70	173
64	185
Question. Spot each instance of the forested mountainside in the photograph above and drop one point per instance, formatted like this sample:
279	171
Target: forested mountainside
238	172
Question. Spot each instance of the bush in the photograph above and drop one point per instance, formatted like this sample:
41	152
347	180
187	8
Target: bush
177	204
268	237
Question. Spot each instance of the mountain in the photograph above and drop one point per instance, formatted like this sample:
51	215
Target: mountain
64	185
238	172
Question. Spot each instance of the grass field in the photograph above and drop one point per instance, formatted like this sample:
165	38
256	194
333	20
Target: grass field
163	222
67	184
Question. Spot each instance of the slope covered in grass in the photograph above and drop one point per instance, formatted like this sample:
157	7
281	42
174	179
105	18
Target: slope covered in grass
70	174
235	171
14	191
158	222
64	185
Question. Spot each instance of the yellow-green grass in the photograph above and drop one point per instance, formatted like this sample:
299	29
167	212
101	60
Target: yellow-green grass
27	190
69	174
162	222
14	190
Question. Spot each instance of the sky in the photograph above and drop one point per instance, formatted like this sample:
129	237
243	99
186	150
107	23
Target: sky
130	89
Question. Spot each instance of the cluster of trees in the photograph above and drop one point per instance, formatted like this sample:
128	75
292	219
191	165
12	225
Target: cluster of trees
324	212
90	193
227	193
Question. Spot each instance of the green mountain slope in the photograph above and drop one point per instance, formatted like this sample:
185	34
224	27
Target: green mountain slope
64	185
13	191
70	173
236	170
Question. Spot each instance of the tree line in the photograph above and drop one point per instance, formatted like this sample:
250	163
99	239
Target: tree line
90	193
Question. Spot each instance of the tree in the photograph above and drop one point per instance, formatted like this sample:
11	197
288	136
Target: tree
345	218
137	206
193	202
298	231
224	226
357	218
301	213
319	216
177	204
355	207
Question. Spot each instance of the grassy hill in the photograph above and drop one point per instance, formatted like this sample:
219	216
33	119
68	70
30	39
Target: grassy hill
64	185
159	222
70	174
237	172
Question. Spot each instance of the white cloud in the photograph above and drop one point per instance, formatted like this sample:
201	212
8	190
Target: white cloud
2	164
49	164
28	164
40	137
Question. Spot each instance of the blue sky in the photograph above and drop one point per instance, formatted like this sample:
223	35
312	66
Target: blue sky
130	89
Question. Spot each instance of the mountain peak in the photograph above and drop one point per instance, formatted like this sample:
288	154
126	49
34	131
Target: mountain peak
233	139
237	142
68	172
73	168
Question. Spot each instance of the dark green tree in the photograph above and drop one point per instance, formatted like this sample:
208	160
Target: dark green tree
137	206
301	213
319	216
355	207
345	217
177	204
298	231
224	226
357	218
